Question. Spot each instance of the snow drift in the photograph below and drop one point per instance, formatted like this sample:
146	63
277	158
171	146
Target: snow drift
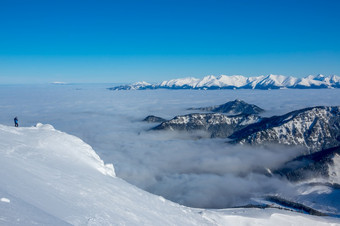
51	178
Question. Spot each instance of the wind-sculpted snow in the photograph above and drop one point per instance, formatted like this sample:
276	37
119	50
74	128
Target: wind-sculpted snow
241	82
52	178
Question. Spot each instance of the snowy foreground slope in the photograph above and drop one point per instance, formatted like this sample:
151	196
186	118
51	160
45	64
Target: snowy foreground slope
52	178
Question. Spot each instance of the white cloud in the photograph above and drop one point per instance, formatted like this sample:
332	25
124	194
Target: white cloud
206	172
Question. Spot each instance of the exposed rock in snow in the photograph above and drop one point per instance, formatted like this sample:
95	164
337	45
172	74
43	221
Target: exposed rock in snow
316	128
180	83
135	86
241	82
216	125
323	165
233	107
153	119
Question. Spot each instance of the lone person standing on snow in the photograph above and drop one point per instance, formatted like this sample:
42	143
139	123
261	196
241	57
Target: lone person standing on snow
16	122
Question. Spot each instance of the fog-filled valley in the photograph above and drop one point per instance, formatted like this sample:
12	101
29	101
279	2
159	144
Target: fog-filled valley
207	173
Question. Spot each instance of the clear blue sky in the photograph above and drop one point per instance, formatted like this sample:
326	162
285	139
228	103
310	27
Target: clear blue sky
155	40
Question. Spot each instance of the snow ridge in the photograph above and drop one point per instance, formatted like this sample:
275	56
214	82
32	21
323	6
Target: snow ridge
240	82
52	178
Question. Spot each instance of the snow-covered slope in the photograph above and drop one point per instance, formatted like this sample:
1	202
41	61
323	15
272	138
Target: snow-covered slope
241	82
214	124
316	128
52	178
136	86
174	83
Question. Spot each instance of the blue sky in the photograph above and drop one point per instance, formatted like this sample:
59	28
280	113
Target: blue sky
128	41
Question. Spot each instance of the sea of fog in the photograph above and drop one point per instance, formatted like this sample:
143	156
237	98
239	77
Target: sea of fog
200	173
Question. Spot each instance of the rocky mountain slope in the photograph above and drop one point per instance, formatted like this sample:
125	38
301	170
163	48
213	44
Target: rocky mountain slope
153	119
315	172
322	164
233	107
217	125
240	82
316	128
317	177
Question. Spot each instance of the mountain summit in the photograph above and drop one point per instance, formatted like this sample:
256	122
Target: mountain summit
240	82
233	107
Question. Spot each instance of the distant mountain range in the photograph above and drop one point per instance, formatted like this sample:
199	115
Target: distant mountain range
240	82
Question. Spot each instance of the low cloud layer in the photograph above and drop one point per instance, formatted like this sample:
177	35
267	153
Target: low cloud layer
209	174
199	173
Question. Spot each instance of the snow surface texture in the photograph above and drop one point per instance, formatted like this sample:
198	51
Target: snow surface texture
52	178
241	82
200	173
57	176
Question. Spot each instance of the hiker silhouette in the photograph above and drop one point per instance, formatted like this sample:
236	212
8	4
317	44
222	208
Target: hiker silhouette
16	122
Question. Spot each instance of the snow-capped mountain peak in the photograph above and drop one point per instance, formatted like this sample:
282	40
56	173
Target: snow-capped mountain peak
241	82
143	83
